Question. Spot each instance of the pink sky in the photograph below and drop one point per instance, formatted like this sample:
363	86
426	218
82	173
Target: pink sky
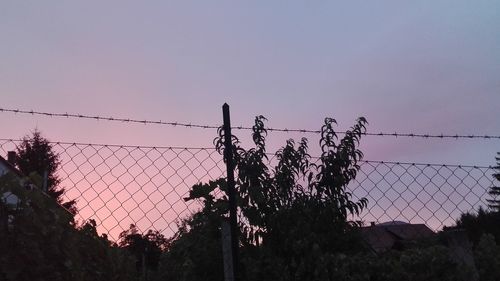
426	67
420	67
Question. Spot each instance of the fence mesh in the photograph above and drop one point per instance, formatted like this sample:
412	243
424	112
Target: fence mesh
122	185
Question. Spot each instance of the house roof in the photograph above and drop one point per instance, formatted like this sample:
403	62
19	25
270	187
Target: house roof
10	167
410	231
384	236
378	238
8	197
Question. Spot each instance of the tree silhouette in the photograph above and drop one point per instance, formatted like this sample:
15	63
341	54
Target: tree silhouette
145	248
42	242
35	155
494	191
297	188
293	214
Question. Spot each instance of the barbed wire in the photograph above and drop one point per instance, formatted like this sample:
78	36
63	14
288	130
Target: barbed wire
427	164
270	129
115	145
96	117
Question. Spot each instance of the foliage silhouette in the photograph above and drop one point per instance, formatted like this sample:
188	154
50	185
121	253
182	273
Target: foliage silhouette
291	208
494	191
146	248
35	155
476	225
196	252
296	220
487	256
484	221
41	242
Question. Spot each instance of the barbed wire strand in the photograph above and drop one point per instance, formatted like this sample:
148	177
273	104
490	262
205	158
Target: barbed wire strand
116	145
98	118
270	129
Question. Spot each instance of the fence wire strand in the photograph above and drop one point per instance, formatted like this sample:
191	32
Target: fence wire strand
121	185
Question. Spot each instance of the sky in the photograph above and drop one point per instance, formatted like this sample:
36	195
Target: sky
407	66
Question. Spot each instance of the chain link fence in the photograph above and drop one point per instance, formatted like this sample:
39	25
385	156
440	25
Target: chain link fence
121	185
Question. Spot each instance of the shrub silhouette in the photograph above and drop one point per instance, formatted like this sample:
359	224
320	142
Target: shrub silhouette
286	210
42	242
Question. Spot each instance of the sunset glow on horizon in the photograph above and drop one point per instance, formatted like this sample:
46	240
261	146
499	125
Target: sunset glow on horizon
407	67
422	67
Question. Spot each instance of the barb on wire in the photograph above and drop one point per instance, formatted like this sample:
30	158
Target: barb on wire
270	129
425	164
381	134
114	145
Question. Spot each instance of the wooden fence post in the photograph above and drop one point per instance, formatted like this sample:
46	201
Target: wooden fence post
228	156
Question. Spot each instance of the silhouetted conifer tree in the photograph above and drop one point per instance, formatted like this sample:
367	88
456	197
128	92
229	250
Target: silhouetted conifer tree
35	155
494	203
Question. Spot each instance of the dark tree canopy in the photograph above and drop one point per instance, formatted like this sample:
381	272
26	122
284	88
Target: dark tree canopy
297	188
42	242
494	203
294	212
146	248
298	220
35	155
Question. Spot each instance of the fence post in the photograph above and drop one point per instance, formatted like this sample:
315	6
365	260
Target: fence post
228	155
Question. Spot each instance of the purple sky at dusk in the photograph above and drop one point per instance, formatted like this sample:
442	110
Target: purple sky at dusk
419	67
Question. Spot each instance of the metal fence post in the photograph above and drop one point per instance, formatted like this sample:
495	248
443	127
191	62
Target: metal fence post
228	155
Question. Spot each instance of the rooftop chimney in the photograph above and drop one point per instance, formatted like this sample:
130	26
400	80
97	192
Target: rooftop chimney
11	157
